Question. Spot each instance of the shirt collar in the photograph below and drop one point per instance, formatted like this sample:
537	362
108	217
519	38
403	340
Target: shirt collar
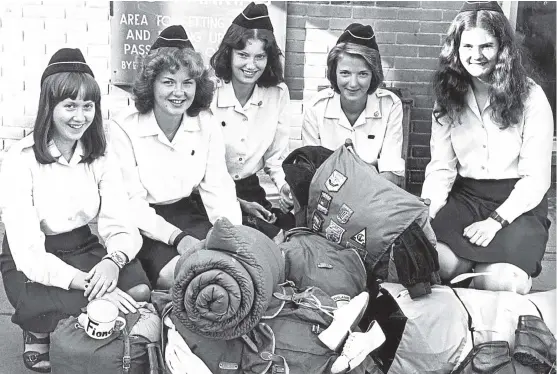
148	126
372	110
227	97
76	157
472	103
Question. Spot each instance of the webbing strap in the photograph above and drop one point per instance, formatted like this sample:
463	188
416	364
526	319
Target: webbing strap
470	327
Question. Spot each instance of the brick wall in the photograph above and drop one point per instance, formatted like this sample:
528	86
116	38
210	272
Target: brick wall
409	34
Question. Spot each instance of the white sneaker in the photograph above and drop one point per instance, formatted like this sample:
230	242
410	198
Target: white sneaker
345	319
357	347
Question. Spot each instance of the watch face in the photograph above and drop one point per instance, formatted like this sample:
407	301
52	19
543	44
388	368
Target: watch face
118	257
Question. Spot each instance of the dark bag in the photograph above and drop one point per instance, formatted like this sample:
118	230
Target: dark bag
73	351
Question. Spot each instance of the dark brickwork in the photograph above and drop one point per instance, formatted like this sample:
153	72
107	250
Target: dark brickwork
409	34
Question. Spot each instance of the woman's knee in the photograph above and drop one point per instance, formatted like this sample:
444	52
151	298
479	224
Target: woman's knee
450	265
166	275
141	292
504	277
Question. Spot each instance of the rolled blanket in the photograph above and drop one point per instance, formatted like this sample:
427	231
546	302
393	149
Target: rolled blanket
223	286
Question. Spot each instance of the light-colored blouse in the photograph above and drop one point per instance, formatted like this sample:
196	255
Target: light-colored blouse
256	135
157	171
477	148
47	199
376	134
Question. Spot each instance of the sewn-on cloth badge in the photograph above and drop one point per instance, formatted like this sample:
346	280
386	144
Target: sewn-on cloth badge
344	213
317	222
324	202
334	232
335	181
360	238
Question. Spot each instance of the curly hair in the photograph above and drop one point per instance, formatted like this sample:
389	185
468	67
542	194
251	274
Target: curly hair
172	59
236	37
369	55
55	89
508	83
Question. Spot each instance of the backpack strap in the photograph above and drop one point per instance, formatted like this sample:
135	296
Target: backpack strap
126	359
470	326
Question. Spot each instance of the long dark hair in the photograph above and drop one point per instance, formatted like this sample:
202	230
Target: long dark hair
236	37
509	84
59	87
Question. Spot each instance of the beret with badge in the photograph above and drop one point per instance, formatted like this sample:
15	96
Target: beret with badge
255	16
359	34
66	60
173	36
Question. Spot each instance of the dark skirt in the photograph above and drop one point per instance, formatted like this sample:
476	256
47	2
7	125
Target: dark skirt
522	243
190	216
39	308
249	189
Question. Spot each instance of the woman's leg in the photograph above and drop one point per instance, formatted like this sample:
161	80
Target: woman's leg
506	277
450	265
141	292
166	275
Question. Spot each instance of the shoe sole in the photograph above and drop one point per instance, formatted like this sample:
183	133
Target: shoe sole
530	358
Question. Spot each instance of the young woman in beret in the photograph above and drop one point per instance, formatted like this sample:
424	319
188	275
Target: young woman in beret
355	107
251	106
491	143
54	183
171	154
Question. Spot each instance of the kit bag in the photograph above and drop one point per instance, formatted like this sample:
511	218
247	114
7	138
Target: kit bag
73	351
352	205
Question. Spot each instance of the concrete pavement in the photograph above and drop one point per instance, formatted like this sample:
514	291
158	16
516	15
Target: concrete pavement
11	339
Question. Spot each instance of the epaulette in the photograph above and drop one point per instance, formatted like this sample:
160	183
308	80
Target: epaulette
324	94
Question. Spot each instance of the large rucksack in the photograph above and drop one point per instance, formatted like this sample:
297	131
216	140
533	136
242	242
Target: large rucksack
285	340
353	206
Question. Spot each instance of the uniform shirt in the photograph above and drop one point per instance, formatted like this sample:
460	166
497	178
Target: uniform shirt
376	134
48	199
256	135
157	171
477	148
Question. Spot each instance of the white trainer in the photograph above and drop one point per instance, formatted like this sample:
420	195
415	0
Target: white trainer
357	347
345	319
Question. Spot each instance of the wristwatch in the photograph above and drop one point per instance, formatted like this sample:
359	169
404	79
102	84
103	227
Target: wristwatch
118	257
494	215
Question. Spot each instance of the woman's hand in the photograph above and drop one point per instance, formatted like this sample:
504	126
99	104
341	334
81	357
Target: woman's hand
255	209
285	203
122	300
103	277
481	233
186	243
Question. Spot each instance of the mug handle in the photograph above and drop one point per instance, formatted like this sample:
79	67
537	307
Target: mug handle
119	324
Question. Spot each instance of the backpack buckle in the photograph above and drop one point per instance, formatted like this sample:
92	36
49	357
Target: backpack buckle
126	362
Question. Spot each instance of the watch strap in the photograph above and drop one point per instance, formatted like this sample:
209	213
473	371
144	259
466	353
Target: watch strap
494	215
178	239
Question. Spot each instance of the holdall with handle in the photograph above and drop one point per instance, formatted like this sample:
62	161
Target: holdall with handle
73	351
